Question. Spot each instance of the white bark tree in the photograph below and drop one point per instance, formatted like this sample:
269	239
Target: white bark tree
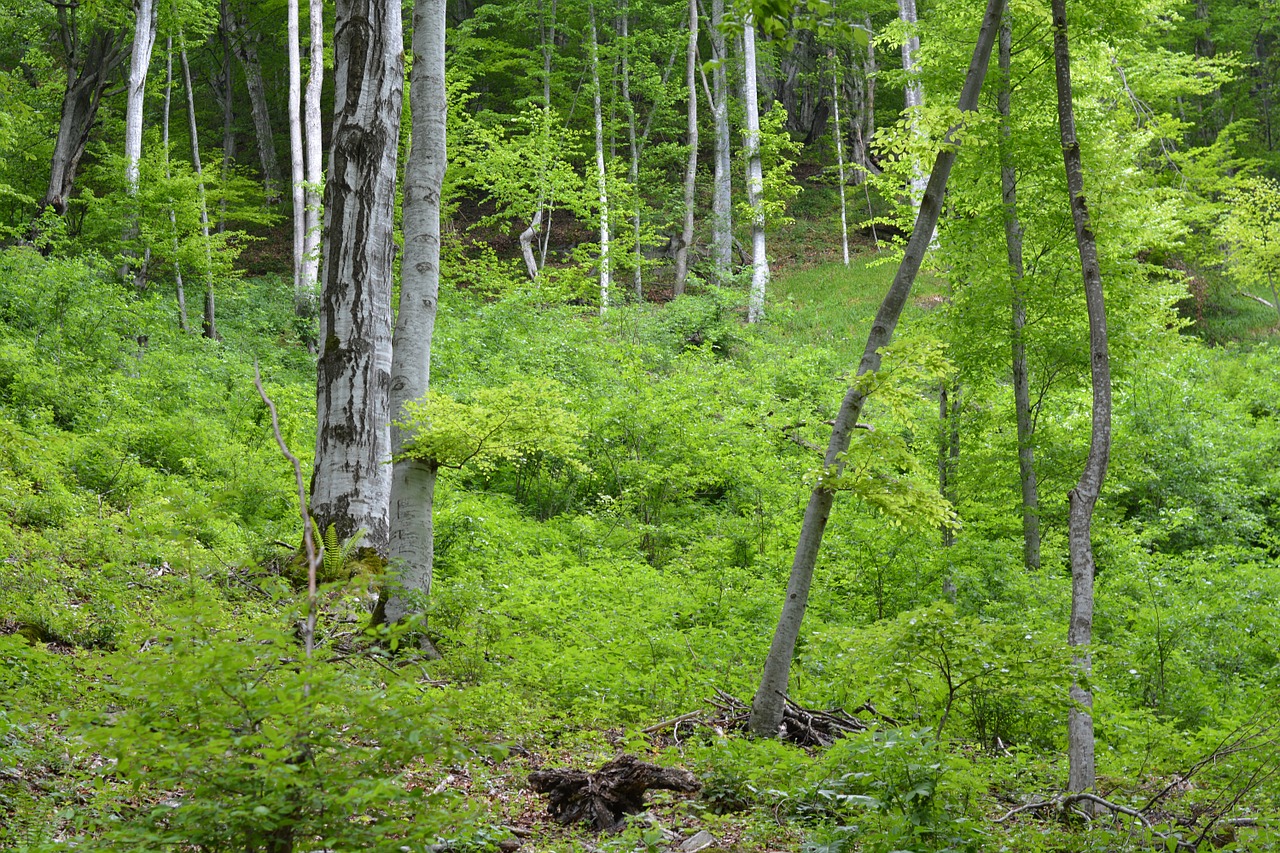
209	325
413	481
838	133
144	39
1084	496
314	155
168	173
602	185
722	191
755	175
691	168
297	167
914	92
351	480
767	706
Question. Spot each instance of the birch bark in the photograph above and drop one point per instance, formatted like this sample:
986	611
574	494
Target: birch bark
691	168
351	480
314	156
601	175
296	157
767	706
722	192
410	550
1084	496
755	175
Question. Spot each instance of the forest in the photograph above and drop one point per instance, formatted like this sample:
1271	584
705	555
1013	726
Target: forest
835	426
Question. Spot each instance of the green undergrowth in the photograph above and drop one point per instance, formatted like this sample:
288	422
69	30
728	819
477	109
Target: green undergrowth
614	567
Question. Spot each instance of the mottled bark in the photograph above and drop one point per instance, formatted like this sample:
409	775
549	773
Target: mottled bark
410	551
602	187
314	162
722	192
90	65
691	167
244	44
755	175
914	94
1021	376
351	480
144	38
1084	496
297	167
767	706
837	134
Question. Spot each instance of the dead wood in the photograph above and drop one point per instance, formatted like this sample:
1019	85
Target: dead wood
605	797
801	726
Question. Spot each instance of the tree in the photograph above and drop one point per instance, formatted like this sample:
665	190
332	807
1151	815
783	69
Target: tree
314	154
768	704
837	133
1085	495
691	168
413	480
755	175
602	183
297	167
722	193
244	43
209	325
1251	228
351	482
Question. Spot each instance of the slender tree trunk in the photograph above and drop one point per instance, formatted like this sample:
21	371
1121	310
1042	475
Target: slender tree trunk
601	175
722	191
314	156
297	167
755	175
948	450
766	708
869	73
246	52
838	134
413	481
144	38
691	168
351	480
1085	495
228	109
1021	379
209	326
634	174
173	220
914	94
90	66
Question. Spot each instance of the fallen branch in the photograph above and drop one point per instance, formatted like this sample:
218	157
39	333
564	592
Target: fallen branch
605	797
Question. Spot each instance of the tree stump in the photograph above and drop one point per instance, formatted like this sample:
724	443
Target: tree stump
603	798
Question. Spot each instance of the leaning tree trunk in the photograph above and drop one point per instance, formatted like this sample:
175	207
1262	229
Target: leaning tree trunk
314	156
601	176
1085	495
413	481
209	326
755	175
351	481
297	167
90	66
767	706
1021	380
722	191
246	51
691	168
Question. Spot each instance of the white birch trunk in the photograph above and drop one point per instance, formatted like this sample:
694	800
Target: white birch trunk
914	94
767	706
210	322
144	38
351	478
844	217
691	168
601	174
755	176
722	191
314	157
413	481
296	156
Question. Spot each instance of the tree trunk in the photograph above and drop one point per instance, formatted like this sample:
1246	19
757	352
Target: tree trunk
691	168
722	192
601	175
351	480
1021	379
246	50
948	450
1085	495
209	326
837	134
767	707
228	109
144	38
755	175
90	66
173	220
914	94
312	134
634	174
606	797
297	167
413	481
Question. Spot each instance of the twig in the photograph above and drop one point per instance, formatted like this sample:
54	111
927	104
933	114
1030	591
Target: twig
674	721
